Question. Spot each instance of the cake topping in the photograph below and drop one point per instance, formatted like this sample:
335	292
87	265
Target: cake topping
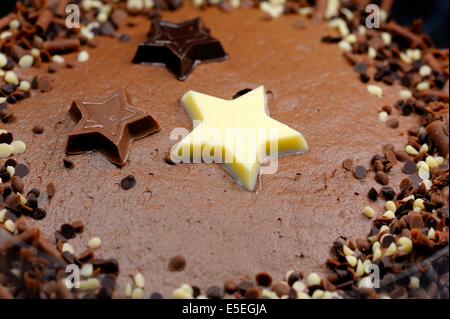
180	47
237	133
108	126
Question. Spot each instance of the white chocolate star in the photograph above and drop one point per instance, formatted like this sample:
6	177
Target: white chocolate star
238	133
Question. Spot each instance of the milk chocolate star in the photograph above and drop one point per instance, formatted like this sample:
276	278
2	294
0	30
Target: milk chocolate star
179	47
109	126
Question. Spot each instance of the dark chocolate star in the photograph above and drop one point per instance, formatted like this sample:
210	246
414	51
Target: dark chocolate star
108	126
179	47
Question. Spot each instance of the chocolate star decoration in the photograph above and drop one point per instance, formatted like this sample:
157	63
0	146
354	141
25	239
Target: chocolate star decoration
179	47
109	126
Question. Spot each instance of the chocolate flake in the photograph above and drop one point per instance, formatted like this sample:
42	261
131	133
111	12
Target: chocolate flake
177	264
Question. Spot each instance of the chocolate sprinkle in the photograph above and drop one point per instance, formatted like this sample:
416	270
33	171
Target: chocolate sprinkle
360	172
128	182
177	264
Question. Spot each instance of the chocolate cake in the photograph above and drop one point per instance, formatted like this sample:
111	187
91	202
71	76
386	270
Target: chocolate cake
372	104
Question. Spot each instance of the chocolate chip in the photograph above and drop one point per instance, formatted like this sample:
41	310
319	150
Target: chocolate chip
364	78
177	263
252	293
360	68
381	178
392	123
263	279
36	192
51	190
360	172
281	289
243	286
402	155
156	295
378	166
68	163
390	156
409	167
405	184
388	193
215	292
6	138
39	214
68	231
17	184
387	109
347	164
21	170
78	226
230	286
44	84
128	182
373	194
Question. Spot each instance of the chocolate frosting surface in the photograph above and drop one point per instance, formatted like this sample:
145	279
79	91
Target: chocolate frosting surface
197	210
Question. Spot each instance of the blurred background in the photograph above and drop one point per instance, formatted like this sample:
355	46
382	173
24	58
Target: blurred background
433	12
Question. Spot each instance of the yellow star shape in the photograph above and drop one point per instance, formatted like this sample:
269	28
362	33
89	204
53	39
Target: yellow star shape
239	134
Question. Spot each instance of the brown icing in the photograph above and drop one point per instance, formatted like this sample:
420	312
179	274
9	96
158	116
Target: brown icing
196	210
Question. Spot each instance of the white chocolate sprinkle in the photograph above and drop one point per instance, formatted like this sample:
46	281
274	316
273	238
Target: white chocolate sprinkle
58	59
90	284
372	53
87	270
387	38
3	60
405	94
414	282
390	205
26	61
411	150
368	211
83	56
405	244
11	77
139	280
313	279
391	250
24	86
138	293
423	86
5	150
352	260
431	234
345	46
431	162
66	247
383	116
10	226
11	170
425	70
424	174
375	90
94	243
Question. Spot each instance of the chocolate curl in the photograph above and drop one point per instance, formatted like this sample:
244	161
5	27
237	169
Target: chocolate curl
29	237
62	46
432	62
44	19
4	22
414	40
440	95
49	249
438	132
319	10
16	52
60	9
